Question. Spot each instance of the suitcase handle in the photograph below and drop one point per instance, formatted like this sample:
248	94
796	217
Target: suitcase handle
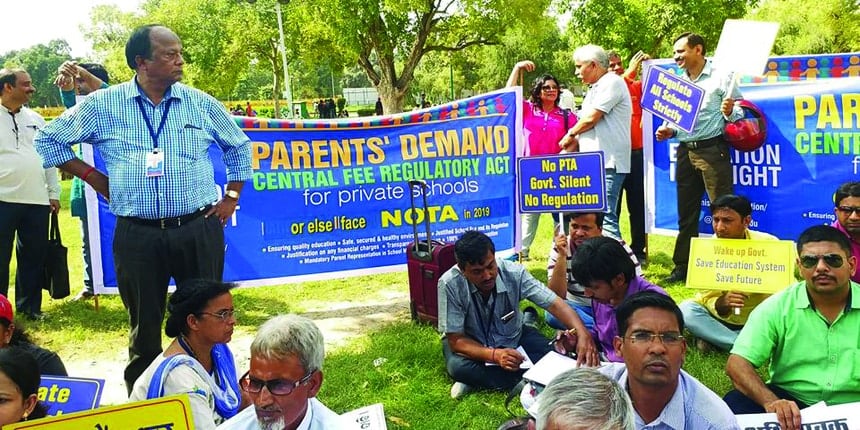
416	247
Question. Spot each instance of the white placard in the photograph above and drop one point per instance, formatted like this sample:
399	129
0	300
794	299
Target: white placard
367	418
839	417
745	45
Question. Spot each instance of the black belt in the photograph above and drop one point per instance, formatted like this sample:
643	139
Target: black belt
699	144
165	223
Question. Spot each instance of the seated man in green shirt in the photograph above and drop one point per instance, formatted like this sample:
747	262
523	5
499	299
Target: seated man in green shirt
716	317
809	332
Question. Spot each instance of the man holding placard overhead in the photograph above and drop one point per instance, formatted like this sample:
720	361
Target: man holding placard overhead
703	162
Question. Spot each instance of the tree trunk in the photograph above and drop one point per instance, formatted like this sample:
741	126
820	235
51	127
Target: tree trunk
392	98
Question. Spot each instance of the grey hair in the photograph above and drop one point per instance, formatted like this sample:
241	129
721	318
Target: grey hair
584	399
286	335
592	53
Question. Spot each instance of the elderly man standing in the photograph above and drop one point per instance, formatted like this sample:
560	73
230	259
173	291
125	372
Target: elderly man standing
285	377
154	134
703	162
28	193
716	317
604	124
651	342
808	334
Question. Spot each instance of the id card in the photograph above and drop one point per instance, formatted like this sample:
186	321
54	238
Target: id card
154	163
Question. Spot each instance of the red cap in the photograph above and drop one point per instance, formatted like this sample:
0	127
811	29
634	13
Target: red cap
6	308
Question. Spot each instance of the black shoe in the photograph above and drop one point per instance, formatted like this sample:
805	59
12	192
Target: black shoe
530	316
675	277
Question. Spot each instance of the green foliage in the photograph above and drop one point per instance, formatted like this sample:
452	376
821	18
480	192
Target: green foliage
830	26
41	62
108	31
650	25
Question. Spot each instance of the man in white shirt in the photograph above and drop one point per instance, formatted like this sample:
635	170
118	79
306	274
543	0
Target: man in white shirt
284	379
28	193
604	125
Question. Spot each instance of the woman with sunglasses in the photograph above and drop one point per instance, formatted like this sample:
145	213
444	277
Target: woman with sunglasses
201	320
544	125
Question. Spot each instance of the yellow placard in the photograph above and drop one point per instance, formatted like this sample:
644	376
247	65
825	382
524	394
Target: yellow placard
165	413
751	266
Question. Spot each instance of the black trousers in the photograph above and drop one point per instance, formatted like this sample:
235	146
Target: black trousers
741	404
633	189
698	170
30	222
146	258
478	374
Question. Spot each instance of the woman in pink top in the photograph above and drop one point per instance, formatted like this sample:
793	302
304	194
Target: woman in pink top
543	127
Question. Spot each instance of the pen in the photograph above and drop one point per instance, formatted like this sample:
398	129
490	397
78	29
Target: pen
507	317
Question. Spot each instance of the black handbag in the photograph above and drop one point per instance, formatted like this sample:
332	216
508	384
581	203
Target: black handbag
56	263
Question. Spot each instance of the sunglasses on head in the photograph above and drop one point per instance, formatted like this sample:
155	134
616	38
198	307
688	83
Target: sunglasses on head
833	260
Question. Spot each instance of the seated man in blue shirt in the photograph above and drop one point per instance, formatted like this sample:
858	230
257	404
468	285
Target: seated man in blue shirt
652	346
484	326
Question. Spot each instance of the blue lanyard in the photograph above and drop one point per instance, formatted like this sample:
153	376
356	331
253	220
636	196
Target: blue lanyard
478	315
152	133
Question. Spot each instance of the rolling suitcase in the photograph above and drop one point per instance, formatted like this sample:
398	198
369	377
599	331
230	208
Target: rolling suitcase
426	261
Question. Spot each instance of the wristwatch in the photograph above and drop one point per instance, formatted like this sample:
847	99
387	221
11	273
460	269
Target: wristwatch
232	194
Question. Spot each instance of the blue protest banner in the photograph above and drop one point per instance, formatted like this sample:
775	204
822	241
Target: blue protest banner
330	198
672	98
811	104
573	182
64	395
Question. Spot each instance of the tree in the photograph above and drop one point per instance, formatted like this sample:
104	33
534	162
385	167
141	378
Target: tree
389	39
650	25
108	31
830	26
41	63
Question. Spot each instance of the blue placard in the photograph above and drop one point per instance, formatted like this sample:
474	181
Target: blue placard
64	395
672	98
562	183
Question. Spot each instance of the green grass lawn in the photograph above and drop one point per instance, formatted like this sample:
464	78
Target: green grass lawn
411	381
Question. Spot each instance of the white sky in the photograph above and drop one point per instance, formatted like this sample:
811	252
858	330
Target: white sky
31	22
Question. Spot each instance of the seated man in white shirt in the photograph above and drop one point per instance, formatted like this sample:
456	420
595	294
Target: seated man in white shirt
285	377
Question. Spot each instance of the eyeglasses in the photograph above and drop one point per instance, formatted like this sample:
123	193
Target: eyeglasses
848	210
668	338
549	88
223	315
833	260
278	387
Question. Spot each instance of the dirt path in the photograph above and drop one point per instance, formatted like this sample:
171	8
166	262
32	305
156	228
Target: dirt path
339	322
